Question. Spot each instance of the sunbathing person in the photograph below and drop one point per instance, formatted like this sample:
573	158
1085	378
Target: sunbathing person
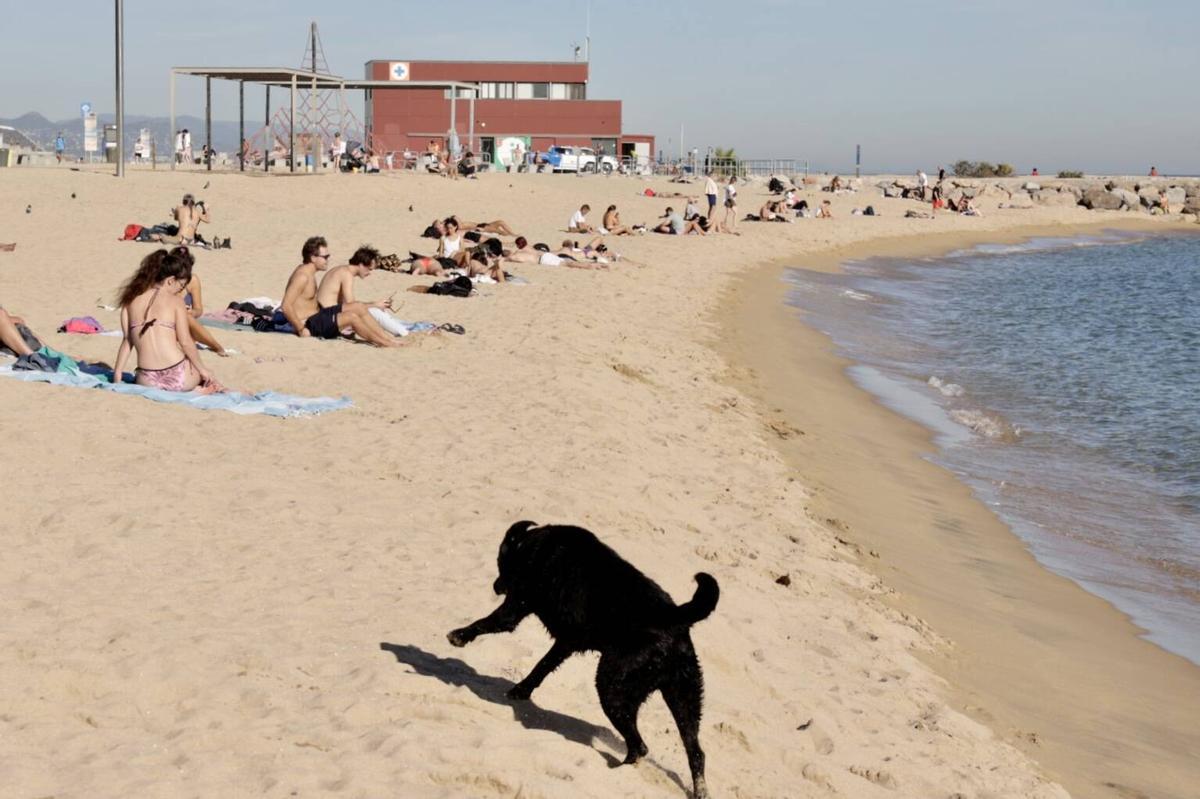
193	300
523	254
309	319
11	337
451	240
337	286
612	223
579	223
155	323
677	225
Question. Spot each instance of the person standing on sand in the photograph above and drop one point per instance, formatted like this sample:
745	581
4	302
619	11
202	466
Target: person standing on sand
179	146
188	158
306	315
710	191
730	222
922	182
60	146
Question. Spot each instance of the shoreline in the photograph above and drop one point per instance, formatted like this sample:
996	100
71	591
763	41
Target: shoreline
1053	669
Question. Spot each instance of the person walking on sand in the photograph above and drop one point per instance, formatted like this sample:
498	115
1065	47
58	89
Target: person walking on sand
922	182
60	146
337	151
179	146
188	157
306	315
730	222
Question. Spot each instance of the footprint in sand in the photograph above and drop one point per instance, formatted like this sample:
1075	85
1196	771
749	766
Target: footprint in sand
821	742
814	775
877	776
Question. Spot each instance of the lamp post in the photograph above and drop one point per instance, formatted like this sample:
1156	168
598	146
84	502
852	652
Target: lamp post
120	48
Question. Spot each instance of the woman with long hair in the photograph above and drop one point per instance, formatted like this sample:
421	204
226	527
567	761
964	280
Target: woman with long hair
154	322
193	300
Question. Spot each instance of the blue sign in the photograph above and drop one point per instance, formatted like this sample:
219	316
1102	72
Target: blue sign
85	109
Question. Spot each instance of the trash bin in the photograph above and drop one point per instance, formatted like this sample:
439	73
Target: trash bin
110	143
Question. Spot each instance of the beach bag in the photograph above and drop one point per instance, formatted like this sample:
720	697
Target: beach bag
775	186
131	232
458	287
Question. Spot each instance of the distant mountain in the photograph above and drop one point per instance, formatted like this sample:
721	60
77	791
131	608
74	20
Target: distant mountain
43	131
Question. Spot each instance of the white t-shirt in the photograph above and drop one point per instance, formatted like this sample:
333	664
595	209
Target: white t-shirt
577	220
710	187
731	192
923	179
450	246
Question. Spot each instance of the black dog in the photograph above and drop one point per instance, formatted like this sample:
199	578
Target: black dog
590	598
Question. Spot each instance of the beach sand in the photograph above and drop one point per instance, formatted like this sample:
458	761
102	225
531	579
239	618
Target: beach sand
202	604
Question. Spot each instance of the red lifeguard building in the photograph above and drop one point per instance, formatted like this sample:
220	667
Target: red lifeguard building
534	103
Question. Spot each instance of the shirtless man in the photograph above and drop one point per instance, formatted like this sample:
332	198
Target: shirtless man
306	315
337	286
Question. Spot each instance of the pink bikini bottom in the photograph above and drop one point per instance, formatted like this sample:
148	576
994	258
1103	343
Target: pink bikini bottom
173	378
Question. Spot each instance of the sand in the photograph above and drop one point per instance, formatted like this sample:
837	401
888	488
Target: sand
201	604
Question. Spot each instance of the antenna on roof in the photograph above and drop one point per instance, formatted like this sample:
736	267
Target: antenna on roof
587	41
577	49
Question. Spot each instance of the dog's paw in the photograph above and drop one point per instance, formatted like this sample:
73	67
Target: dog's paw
458	637
519	691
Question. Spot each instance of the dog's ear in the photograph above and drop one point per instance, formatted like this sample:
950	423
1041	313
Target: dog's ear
515	535
519	529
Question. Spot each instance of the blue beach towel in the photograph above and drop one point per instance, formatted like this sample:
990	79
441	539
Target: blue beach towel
269	403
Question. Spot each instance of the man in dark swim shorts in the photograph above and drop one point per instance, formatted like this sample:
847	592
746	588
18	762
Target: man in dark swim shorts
309	319
323	324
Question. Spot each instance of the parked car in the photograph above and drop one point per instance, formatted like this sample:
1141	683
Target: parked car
566	158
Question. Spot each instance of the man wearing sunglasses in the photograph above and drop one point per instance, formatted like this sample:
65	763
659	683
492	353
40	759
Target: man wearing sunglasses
309	319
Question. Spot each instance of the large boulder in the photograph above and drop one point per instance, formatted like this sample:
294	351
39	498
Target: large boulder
1055	198
1129	199
1149	196
1097	198
1019	199
1031	186
1176	196
1192	206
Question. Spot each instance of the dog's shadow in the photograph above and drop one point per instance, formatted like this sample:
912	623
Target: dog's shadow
453	671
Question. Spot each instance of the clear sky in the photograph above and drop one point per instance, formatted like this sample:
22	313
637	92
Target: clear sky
1098	85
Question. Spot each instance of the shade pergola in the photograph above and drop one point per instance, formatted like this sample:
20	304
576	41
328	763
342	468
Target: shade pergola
293	79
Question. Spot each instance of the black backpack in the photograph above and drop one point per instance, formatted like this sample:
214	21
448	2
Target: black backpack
775	186
458	287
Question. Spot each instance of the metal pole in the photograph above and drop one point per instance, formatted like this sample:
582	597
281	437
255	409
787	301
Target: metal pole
120	24
292	126
268	134
471	121
173	131
316	142
241	126
208	123
453	115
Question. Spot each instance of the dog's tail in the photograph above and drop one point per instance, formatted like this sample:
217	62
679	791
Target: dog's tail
703	602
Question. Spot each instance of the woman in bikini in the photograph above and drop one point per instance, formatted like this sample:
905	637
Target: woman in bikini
154	322
193	300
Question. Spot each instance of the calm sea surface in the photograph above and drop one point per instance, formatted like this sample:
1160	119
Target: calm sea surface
1062	377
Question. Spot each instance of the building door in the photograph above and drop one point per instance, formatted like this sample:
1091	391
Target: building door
487	149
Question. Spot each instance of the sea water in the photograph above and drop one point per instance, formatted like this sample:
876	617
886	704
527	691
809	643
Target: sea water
1062	380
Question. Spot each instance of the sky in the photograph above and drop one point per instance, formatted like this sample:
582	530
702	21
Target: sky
1096	85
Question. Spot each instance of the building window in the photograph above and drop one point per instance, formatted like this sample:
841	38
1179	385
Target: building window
533	91
463	94
496	91
567	91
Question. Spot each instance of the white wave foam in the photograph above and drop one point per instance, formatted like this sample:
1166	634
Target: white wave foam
985	424
946	389
855	295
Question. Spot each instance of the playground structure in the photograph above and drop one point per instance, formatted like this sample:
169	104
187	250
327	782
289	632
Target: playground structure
302	131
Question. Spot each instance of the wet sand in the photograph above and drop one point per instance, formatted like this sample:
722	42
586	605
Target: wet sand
1052	669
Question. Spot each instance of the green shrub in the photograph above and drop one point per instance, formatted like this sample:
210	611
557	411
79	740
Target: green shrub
1070	173
982	169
